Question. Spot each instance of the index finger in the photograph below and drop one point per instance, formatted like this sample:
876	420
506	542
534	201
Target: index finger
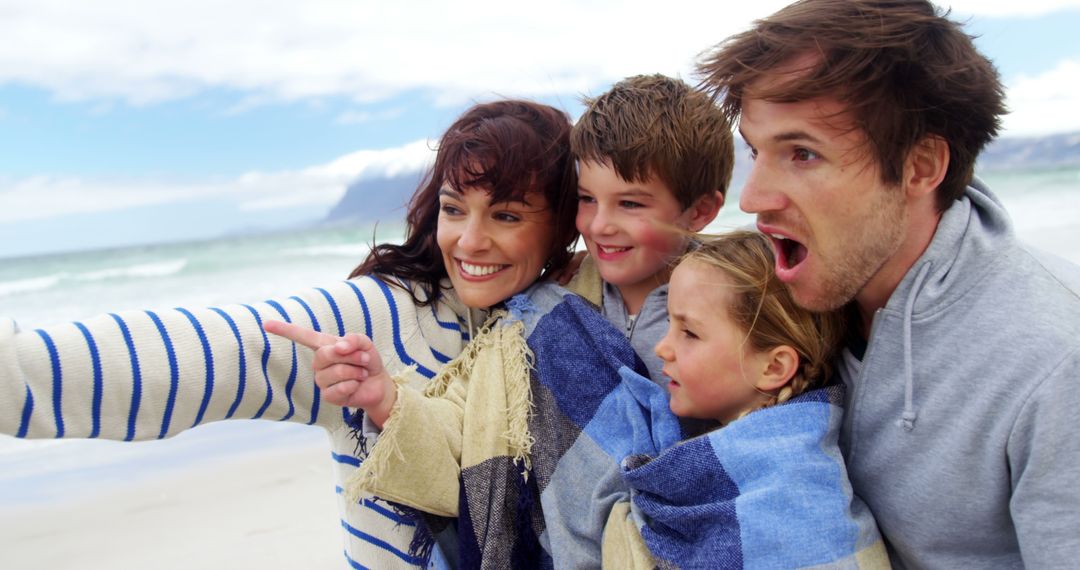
310	338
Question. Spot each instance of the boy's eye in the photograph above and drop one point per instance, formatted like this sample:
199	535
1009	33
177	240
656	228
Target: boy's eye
631	204
804	155
689	334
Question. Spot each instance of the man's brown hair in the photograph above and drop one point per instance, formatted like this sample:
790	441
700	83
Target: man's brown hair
654	126
902	68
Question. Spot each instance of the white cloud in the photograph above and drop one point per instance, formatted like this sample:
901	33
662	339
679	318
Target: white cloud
1000	8
42	197
152	51
1045	103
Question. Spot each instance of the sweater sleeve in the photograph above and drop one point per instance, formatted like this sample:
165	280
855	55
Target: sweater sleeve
151	374
1043	452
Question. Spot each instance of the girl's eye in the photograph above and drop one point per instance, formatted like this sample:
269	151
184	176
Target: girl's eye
583	199
805	155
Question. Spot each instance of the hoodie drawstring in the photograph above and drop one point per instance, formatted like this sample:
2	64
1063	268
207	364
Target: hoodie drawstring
907	419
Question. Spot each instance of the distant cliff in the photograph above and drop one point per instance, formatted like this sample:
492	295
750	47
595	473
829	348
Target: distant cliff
387	198
1032	152
369	200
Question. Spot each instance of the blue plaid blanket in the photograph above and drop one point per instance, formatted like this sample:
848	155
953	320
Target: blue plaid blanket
767	491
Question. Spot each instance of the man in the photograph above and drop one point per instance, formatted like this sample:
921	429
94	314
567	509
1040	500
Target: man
864	120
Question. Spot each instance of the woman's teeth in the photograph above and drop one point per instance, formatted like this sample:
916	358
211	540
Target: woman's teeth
480	270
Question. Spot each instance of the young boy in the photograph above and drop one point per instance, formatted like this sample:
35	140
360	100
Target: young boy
654	162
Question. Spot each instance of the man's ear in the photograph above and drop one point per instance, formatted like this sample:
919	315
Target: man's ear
703	211
776	368
925	167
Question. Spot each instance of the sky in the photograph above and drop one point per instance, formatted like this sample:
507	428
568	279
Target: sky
127	122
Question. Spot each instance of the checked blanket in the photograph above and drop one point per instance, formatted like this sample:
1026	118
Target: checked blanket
554	451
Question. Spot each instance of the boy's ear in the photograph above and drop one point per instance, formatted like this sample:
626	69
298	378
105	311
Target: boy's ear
777	367
704	210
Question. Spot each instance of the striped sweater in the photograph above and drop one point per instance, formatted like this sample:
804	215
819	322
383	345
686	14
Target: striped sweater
152	374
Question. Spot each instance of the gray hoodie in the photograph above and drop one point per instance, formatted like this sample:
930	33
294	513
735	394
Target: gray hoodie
960	432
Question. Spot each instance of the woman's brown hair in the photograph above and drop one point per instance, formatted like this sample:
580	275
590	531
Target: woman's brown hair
506	148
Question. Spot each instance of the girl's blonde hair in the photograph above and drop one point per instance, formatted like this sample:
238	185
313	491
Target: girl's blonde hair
765	311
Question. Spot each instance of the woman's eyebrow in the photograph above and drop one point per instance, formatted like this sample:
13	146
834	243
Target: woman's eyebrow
449	192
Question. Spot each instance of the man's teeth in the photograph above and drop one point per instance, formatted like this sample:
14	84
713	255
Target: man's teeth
480	270
613	249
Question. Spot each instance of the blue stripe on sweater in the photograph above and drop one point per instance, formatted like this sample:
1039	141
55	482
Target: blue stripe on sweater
454	326
28	409
265	359
334	308
292	372
315	387
396	327
242	371
58	381
95	362
174	375
363	307
136	377
345	459
355	564
208	357
380	543
388	513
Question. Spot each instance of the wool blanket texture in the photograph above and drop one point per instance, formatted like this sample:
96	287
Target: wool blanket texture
554	450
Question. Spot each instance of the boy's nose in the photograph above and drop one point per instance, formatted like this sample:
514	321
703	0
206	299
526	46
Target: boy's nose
601	223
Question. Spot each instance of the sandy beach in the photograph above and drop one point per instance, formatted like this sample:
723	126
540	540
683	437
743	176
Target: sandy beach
272	508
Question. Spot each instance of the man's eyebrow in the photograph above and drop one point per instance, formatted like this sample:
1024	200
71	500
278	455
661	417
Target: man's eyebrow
787	136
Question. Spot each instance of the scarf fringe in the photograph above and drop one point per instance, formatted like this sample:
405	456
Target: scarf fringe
383	450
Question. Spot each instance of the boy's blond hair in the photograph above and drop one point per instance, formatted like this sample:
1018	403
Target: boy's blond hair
654	126
763	308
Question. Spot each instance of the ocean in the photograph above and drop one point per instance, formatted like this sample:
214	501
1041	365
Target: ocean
43	290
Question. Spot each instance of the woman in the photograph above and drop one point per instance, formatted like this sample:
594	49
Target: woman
150	375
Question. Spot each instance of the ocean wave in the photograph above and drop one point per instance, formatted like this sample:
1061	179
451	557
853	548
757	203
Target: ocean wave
156	269
356	250
29	285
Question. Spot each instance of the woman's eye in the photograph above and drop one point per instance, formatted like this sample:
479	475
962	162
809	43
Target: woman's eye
449	209
507	217
805	154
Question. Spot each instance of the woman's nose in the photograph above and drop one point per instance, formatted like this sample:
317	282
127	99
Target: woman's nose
474	236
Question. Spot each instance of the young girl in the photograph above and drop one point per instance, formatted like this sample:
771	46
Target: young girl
767	489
